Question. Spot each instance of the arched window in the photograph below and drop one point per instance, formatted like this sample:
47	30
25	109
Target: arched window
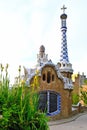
44	77
50	102
48	77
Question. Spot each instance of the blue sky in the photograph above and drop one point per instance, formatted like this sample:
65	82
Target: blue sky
27	24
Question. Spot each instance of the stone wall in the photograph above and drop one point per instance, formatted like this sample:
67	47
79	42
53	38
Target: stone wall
76	85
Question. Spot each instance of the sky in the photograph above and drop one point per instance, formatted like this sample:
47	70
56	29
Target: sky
25	25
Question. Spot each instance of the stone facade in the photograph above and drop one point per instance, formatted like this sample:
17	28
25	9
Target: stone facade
57	85
52	82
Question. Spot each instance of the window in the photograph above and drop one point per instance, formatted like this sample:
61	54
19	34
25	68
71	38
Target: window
63	65
48	77
50	102
43	101
44	77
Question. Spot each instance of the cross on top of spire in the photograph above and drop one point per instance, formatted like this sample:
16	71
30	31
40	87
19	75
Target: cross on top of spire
63	8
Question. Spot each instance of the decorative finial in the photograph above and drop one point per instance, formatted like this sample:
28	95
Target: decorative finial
63	8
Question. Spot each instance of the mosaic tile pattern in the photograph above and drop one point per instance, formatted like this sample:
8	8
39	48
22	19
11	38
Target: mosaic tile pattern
64	50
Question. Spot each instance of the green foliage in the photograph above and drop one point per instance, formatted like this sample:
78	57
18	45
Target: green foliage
85	81
75	98
19	107
84	96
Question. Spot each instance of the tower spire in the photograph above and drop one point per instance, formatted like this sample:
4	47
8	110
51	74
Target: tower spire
64	50
64	59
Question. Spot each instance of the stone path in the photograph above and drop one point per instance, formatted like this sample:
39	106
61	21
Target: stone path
75	123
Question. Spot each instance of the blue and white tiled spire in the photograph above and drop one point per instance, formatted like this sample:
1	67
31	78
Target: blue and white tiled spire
65	66
64	50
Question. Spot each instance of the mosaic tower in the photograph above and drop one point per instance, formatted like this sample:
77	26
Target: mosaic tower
64	64
64	50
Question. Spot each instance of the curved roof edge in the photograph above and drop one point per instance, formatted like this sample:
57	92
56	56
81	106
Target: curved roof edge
67	83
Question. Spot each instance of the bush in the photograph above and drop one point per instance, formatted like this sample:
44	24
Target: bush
75	98
19	107
84	96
